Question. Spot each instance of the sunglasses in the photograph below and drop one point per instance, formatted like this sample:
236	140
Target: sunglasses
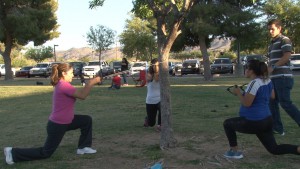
242	87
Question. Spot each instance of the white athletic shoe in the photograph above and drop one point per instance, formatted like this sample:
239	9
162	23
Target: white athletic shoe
8	155
86	150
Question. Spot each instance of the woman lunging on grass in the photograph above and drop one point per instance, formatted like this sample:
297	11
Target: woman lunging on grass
61	119
153	96
255	116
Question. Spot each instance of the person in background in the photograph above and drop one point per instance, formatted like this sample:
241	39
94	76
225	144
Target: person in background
124	67
279	53
61	119
115	82
254	115
153	96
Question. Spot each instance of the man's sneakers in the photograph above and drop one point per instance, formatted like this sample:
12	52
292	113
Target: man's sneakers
86	150
233	154
280	133
8	155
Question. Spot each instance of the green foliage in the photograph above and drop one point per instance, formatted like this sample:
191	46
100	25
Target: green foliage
20	62
137	39
39	54
231	55
100	38
25	21
31	21
186	55
96	3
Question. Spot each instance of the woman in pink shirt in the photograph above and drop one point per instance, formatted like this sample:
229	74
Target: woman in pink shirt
61	119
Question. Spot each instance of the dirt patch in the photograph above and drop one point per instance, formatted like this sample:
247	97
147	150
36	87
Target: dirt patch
136	152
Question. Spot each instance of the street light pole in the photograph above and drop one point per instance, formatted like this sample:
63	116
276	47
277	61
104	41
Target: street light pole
54	53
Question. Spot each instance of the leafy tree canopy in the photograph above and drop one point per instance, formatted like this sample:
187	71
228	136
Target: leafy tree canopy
39	54
28	20
137	39
101	37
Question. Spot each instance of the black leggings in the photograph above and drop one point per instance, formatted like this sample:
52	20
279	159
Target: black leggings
152	110
55	134
263	131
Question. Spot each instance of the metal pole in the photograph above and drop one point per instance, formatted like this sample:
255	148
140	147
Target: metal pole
54	53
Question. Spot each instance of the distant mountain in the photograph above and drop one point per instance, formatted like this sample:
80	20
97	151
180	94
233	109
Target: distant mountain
75	54
220	44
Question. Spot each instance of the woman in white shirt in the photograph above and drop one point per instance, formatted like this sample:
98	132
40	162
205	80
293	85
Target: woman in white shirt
153	96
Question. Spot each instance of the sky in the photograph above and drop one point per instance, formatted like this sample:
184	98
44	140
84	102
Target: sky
75	19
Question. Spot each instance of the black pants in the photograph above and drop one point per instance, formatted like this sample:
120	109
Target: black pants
262	129
55	134
152	110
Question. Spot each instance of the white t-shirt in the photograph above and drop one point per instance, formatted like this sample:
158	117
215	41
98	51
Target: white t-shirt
153	92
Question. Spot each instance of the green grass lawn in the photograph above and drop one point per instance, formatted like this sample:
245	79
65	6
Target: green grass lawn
199	109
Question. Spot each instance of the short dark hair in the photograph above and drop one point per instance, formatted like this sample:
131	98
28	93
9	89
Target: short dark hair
259	68
276	22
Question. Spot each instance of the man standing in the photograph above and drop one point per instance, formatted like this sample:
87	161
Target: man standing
279	53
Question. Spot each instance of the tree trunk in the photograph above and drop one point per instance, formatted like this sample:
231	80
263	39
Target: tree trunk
239	69
165	40
6	56
206	61
167	139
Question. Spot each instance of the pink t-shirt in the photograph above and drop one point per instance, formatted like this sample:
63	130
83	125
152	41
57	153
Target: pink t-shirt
63	103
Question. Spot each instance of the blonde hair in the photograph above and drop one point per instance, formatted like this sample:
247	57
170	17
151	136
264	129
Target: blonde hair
57	72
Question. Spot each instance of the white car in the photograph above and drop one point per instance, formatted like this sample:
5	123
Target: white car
93	68
137	66
40	69
295	61
2	70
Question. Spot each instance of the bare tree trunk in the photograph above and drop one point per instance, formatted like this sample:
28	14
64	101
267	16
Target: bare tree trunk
206	61
165	40
167	139
7	60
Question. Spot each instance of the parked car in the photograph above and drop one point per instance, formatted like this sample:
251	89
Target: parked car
295	61
137	66
192	66
221	65
40	69
49	69
178	67
114	66
93	68
246	58
24	71
172	68
77	67
2	70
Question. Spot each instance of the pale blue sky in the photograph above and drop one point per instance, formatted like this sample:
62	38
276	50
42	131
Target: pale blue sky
75	20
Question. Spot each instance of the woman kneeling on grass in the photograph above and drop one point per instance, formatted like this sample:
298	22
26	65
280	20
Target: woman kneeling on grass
255	116
62	118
